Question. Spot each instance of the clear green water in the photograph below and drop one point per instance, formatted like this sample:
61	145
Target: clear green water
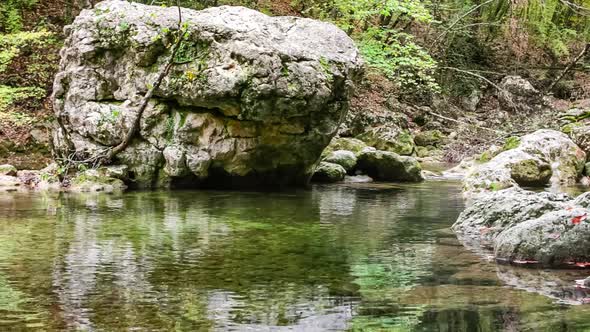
334	258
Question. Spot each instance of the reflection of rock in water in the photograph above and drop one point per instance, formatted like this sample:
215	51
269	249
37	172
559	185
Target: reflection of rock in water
293	311
558	285
336	201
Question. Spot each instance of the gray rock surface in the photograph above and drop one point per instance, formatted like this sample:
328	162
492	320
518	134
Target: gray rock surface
346	159
389	166
552	239
524	226
545	157
328	172
490	214
520	95
8	170
250	100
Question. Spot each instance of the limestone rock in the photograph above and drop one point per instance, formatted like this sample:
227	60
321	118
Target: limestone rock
520	95
345	143
547	228
344	158
428	138
358	179
96	181
551	239
250	100
389	138
490	214
8	170
389	166
328	172
542	158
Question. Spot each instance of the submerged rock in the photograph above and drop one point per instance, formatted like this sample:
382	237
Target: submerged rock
539	159
389	166
344	158
250	99
328	172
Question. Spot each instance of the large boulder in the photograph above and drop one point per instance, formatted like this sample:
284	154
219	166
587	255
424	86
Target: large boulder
488	215
528	227
250	99
539	159
552	239
389	166
519	94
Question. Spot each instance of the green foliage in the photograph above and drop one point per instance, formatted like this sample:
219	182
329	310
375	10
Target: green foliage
10	96
552	24
377	26
11	19
401	60
12	44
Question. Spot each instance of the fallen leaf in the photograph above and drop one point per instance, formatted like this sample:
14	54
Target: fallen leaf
579	219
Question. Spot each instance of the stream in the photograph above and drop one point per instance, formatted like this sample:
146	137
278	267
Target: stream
347	257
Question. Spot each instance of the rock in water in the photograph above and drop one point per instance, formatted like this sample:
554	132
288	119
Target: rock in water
250	99
490	214
389	166
344	158
329	172
552	239
527	227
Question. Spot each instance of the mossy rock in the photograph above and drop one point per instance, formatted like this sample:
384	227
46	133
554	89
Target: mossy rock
345	143
429	138
8	170
328	172
531	172
94	181
390	139
346	159
389	166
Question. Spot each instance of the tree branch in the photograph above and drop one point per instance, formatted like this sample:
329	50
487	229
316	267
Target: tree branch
568	67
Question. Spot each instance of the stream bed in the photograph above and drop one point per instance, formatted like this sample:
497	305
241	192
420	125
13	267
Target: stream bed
358	257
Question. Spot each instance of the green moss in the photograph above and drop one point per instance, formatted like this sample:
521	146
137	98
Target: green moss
511	143
495	186
484	157
326	68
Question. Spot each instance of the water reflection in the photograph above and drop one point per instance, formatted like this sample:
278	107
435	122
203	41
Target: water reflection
354	257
